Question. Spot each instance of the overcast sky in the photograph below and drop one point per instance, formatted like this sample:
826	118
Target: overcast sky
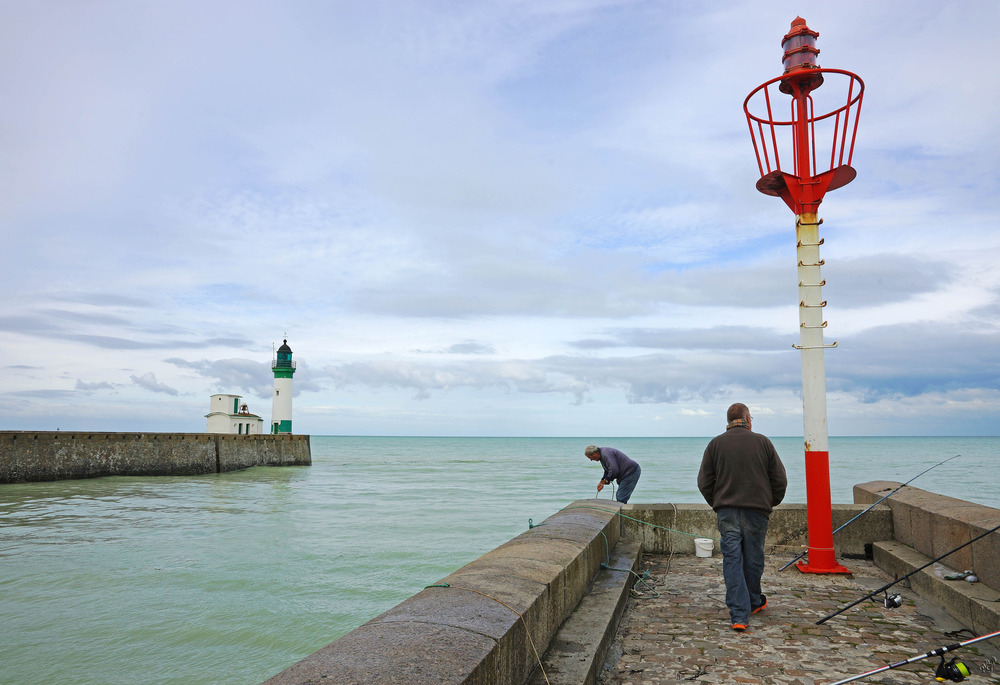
486	218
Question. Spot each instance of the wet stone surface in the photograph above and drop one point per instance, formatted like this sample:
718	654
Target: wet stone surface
684	635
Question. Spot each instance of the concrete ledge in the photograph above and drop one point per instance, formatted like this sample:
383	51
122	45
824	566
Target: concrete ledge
581	644
975	605
32	456
471	631
238	452
696	519
933	524
788	527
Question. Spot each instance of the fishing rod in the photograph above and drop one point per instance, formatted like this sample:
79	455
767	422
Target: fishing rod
889	585
873	506
954	670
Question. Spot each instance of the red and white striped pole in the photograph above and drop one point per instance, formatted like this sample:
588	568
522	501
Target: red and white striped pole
822	558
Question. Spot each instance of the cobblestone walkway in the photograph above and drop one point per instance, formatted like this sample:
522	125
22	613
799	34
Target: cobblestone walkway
684	635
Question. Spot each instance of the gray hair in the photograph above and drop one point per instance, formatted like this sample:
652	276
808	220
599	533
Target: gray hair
591	449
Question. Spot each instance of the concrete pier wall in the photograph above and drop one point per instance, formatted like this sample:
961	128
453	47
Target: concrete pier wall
927	526
934	524
27	456
472	631
675	526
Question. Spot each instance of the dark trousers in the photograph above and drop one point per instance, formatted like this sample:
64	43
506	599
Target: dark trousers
742	534
627	484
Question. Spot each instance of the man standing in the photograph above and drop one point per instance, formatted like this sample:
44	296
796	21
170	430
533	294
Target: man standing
618	467
742	478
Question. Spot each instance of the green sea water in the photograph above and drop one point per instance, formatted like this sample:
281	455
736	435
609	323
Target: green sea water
231	578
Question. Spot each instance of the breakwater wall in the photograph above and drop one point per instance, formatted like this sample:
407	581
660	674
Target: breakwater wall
926	526
494	620
27	456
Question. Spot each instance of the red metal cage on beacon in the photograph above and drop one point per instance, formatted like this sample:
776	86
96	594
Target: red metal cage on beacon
798	180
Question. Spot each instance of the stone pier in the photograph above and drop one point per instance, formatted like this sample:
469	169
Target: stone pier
614	594
27	456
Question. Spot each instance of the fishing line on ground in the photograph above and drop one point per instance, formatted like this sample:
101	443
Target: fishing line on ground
640	578
607	565
673	522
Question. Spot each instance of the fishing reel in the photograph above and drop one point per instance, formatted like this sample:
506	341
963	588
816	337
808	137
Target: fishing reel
893	601
954	670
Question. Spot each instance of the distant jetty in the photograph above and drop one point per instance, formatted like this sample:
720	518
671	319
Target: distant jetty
28	456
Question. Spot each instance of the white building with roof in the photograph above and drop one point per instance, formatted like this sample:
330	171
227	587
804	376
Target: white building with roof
227	414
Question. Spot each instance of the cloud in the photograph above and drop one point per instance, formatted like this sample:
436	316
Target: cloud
471	347
45	394
101	385
876	280
246	376
511	375
232	375
148	381
672	378
99	299
627	285
66	325
548	207
660	378
742	338
709	365
910	360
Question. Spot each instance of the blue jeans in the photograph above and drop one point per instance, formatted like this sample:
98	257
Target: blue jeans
742	532
627	484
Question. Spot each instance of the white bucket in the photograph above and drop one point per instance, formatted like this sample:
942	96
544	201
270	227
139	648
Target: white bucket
703	547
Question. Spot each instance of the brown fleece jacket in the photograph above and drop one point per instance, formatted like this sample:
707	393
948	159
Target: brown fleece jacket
741	468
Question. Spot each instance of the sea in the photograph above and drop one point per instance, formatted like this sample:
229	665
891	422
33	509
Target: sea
231	578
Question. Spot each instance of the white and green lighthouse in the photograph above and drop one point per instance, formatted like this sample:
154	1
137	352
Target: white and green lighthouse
281	405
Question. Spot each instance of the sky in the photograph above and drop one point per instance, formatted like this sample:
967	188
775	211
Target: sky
496	218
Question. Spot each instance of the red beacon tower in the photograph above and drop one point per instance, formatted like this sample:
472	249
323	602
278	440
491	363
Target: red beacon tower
793	162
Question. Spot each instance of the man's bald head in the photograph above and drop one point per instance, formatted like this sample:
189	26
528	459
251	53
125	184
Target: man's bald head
737	411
